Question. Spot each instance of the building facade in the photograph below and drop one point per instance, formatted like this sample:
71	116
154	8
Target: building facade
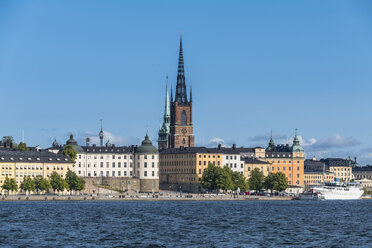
18	164
110	161
341	168
288	160
181	123
252	163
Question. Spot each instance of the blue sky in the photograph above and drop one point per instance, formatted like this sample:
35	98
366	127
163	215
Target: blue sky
253	66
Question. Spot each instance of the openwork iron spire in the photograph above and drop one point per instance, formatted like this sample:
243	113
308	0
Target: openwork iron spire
181	95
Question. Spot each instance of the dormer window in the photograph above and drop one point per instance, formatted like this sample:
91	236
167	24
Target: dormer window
11	158
38	159
28	159
20	158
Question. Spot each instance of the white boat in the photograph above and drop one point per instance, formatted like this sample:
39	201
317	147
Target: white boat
339	191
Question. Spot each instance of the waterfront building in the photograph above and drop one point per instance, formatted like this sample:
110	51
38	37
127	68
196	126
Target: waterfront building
366	183
18	164
317	177
182	168
252	163
181	124
110	161
342	168
288	160
361	172
147	166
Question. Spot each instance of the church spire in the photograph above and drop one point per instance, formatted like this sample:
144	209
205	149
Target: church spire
190	94
181	96
167	107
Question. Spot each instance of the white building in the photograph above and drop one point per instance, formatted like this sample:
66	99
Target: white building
110	161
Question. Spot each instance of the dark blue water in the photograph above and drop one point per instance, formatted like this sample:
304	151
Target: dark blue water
186	224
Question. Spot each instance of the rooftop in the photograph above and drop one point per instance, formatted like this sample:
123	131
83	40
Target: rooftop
42	156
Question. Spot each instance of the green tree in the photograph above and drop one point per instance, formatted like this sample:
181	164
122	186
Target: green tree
224	180
210	177
69	152
276	181
22	147
239	181
75	183
57	182
10	184
281	182
41	184
8	139
256	180
28	184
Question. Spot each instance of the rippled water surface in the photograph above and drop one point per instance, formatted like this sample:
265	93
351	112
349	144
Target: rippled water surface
186	224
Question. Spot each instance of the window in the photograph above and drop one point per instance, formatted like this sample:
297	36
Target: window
107	164
107	174
153	156
113	164
153	165
145	173
199	162
183	118
113	156
145	165
125	173
113	173
101	164
199	171
205	163
119	164
242	166
145	156
119	173
153	173
131	165
125	164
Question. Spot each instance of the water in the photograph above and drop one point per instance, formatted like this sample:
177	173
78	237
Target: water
186	224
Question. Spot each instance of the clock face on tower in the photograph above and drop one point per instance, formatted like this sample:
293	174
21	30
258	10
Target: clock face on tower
184	131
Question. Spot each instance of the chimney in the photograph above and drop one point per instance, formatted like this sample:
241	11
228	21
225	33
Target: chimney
87	140
219	146
234	146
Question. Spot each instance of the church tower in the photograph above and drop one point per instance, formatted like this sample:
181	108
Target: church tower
163	139
181	127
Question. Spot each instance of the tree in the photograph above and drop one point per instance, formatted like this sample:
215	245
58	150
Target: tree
256	180
10	184
239	181
75	183
210	177
281	182
224	180
28	184
41	184
8	139
276	181
22	147
57	182
69	152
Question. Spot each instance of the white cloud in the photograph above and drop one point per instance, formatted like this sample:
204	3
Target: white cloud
114	139
216	141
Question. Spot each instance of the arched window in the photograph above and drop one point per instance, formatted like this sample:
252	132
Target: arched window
183	141
183	118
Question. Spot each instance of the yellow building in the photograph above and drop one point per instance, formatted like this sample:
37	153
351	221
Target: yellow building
288	160
250	164
182	168
317	178
18	164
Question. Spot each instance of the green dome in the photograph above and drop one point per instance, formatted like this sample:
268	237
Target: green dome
74	144
146	147
296	147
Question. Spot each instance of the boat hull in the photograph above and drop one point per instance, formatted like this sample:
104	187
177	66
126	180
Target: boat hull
339	193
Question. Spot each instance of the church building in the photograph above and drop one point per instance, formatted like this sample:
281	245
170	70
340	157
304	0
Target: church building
180	132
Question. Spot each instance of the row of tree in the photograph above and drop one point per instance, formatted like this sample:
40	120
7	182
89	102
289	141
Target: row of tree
40	184
273	181
217	178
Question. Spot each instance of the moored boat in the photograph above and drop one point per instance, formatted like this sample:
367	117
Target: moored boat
339	191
